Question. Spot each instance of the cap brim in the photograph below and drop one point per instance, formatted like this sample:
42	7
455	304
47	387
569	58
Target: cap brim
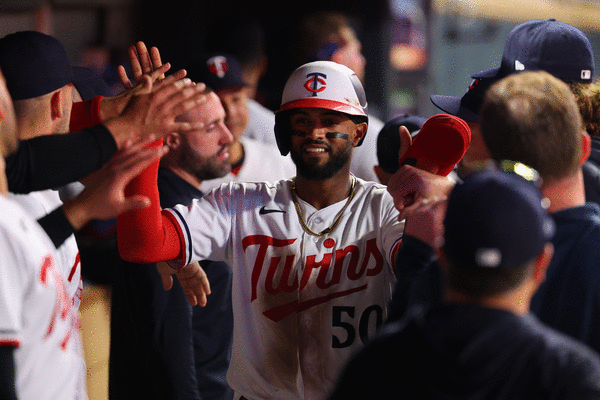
322	103
452	105
488	73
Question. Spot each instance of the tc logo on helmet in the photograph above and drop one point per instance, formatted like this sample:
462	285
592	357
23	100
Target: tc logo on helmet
218	65
316	82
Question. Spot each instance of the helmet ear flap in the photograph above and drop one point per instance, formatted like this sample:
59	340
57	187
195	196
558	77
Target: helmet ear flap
282	133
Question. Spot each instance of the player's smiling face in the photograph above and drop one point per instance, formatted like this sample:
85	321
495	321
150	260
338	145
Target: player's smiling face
322	141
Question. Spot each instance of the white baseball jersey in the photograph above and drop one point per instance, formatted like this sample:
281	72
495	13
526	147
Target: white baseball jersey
261	123
35	311
302	304
262	163
39	204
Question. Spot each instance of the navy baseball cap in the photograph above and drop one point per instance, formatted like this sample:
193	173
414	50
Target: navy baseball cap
465	107
34	64
88	83
548	45
218	71
496	219
388	140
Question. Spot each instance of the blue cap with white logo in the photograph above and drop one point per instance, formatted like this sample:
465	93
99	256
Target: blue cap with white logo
547	45
496	219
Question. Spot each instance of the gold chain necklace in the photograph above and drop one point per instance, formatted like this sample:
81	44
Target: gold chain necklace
337	217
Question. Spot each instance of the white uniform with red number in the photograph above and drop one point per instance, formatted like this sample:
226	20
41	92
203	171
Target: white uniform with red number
37	205
302	304
35	311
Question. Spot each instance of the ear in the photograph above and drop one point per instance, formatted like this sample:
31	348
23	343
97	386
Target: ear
56	105
586	146
405	140
173	141
359	134
540	264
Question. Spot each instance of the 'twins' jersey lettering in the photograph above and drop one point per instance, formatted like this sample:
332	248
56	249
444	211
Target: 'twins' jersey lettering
290	281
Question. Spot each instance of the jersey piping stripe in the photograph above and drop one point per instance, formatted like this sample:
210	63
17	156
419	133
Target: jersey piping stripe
187	234
10	343
394	252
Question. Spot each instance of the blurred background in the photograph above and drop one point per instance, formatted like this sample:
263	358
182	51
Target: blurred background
413	48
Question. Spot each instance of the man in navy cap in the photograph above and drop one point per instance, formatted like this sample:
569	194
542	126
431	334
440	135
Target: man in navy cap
547	45
467	107
39	78
481	342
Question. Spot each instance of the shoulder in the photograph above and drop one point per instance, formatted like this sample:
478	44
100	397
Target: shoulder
559	354
374	190
19	230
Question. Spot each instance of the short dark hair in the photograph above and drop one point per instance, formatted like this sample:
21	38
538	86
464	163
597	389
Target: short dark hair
481	282
532	117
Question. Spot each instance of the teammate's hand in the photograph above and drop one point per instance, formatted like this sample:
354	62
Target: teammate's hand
144	65
192	278
410	185
154	112
425	221
104	194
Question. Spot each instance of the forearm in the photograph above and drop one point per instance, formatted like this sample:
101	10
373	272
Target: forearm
147	235
8	380
57	226
414	257
51	161
85	114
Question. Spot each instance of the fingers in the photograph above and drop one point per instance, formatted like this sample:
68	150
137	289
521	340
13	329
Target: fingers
195	284
135	203
159	74
165	271
156	61
144	58
124	78
177	98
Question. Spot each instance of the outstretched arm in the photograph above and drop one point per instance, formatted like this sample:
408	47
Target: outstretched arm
147	235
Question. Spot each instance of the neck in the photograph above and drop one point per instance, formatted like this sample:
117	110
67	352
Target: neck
516	301
3	180
183	174
323	193
565	193
31	127
236	152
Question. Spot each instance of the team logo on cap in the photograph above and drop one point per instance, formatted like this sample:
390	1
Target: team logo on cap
586	74
218	66
316	82
473	84
519	66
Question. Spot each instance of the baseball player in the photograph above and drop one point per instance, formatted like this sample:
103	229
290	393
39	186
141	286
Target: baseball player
38	358
312	257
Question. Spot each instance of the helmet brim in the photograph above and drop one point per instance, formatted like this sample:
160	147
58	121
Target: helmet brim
323	103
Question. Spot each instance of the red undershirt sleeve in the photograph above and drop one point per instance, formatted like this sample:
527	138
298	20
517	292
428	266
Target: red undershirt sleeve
85	114
148	235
